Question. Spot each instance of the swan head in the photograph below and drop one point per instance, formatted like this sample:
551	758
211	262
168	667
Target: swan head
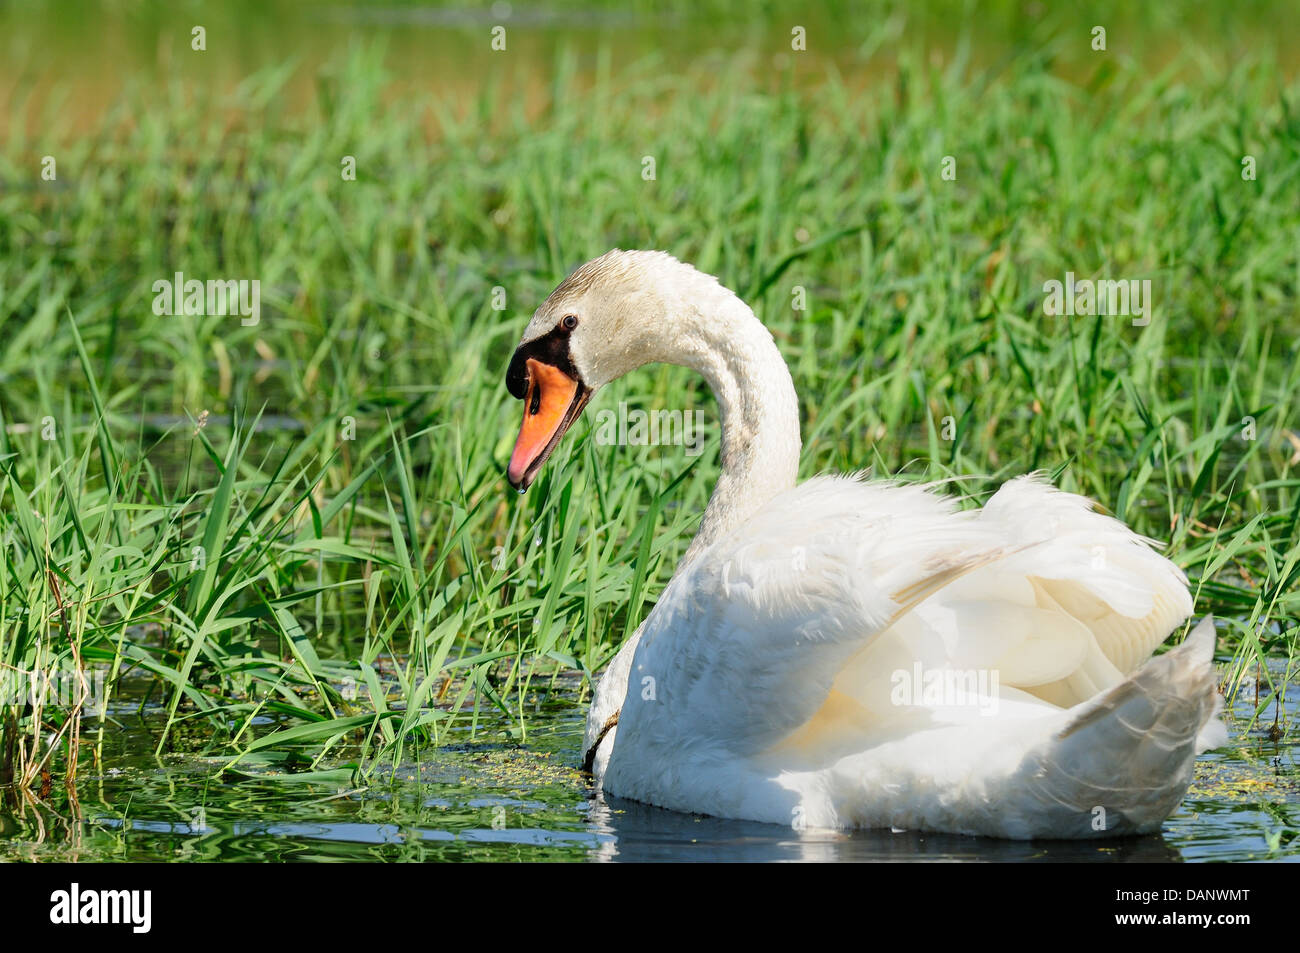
611	316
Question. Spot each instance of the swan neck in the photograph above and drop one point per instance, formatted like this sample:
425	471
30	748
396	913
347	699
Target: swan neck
758	414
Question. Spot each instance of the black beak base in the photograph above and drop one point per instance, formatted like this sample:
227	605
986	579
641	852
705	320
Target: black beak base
551	348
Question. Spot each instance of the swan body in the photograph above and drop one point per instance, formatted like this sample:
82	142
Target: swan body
851	653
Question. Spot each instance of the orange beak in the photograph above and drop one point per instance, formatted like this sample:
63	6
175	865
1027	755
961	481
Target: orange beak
551	405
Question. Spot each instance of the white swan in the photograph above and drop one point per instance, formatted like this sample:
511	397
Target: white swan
845	653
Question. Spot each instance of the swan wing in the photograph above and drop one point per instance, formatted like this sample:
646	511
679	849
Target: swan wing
797	625
748	639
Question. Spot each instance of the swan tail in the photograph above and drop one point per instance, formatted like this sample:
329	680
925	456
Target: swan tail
1123	761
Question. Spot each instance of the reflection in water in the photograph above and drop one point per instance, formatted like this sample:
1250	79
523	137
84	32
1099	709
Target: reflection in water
485	797
637	832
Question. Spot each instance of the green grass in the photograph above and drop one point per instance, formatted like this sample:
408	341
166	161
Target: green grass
367	589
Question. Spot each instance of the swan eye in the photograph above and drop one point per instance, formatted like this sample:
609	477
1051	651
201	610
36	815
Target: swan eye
569	322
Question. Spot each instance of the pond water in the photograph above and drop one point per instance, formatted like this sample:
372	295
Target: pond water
483	796
66	64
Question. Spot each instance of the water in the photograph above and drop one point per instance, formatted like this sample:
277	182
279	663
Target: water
483	796
67	63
